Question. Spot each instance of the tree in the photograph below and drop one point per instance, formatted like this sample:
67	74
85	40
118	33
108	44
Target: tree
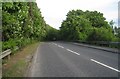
97	19
117	31
80	25
52	33
22	22
111	23
101	34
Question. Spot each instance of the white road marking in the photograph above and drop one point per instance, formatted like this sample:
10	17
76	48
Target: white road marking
76	43
52	43
56	44
72	51
104	65
66	49
60	46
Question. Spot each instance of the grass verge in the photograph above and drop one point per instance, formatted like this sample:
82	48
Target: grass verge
17	65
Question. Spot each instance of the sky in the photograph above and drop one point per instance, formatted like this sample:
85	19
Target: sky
119	14
55	11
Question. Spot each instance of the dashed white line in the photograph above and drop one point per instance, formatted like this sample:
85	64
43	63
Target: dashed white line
60	46
105	65
56	44
72	51
76	43
90	59
67	49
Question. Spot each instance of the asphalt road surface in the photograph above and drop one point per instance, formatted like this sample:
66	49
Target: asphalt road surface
64	59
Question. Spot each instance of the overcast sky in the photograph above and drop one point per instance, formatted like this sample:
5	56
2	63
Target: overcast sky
54	11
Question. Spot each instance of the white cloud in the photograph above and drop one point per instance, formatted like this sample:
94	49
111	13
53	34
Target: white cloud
54	11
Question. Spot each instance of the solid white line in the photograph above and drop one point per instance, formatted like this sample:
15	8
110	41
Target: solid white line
104	65
72	51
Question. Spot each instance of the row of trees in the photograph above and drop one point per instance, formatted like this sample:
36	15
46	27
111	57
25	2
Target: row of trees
52	33
22	23
87	26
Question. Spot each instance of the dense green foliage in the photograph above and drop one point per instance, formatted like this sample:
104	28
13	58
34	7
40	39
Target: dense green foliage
86	26
52	33
117	31
22	23
101	34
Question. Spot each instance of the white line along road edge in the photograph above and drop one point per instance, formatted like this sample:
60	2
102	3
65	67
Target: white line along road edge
72	51
104	65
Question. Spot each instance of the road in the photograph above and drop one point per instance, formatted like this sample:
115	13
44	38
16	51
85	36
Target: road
64	59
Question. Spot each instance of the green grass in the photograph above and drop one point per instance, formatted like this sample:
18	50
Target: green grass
16	70
18	64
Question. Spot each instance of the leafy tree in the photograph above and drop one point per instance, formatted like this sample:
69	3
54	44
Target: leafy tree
101	34
52	33
88	25
117	31
22	23
97	19
111	23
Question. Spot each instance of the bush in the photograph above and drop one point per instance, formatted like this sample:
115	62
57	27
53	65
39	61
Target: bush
10	44
13	43
23	42
101	34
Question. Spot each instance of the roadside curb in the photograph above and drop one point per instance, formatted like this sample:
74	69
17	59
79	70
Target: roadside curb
99	48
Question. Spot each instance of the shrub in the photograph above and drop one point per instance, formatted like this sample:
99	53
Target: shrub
10	44
101	34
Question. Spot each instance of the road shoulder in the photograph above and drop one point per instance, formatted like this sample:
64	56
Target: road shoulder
113	50
18	64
